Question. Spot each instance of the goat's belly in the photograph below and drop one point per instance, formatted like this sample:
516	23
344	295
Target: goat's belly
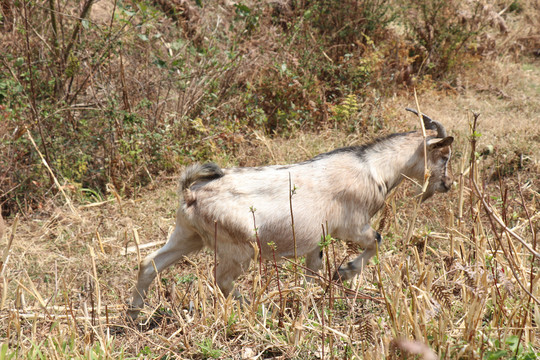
278	238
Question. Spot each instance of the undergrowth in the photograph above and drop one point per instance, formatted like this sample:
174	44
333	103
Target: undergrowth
101	103
118	92
465	285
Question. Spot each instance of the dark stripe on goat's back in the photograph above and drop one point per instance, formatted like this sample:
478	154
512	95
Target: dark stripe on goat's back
248	169
360	150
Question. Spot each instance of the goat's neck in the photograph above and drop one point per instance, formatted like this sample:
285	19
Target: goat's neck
391	163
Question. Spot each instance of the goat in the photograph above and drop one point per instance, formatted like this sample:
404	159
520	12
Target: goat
343	188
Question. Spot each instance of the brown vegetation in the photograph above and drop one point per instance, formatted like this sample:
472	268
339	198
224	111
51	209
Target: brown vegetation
117	105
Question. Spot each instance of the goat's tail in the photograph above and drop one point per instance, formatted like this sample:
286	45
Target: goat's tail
194	173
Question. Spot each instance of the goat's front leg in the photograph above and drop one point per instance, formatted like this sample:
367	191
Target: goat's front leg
231	265
314	261
368	239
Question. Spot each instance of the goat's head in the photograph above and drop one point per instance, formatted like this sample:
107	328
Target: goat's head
440	179
438	158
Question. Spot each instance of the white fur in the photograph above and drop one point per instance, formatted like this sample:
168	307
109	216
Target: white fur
343	189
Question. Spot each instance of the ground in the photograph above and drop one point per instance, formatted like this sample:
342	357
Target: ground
462	287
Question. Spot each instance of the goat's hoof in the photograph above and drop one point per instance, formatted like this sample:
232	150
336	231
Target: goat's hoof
337	276
132	313
344	272
341	275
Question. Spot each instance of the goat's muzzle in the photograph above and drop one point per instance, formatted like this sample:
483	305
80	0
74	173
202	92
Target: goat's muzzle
446	184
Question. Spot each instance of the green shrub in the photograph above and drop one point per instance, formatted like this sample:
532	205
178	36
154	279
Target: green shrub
441	31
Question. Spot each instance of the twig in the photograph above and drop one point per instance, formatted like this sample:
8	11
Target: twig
86	9
134	249
52	175
215	256
386	302
281	302
492	217
96	279
137	247
252	209
291	192
5	254
423	134
491	214
56	52
98	63
531	279
33	105
98	237
426	175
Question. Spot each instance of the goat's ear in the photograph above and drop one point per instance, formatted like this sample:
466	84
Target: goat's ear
440	143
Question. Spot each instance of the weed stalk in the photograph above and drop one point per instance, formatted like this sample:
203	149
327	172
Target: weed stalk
281	302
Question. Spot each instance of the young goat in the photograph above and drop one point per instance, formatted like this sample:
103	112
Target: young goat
343	188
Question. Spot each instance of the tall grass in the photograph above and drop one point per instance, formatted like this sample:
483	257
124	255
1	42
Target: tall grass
464	286
115	93
96	114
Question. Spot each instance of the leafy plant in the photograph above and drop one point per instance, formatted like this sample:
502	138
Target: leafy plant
207	349
513	349
439	35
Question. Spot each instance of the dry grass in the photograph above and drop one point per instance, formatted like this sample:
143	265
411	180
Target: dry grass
466	285
463	285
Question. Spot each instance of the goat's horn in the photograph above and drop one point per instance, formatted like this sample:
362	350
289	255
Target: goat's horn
431	124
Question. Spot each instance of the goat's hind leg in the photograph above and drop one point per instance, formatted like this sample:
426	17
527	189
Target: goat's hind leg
314	261
355	267
181	242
